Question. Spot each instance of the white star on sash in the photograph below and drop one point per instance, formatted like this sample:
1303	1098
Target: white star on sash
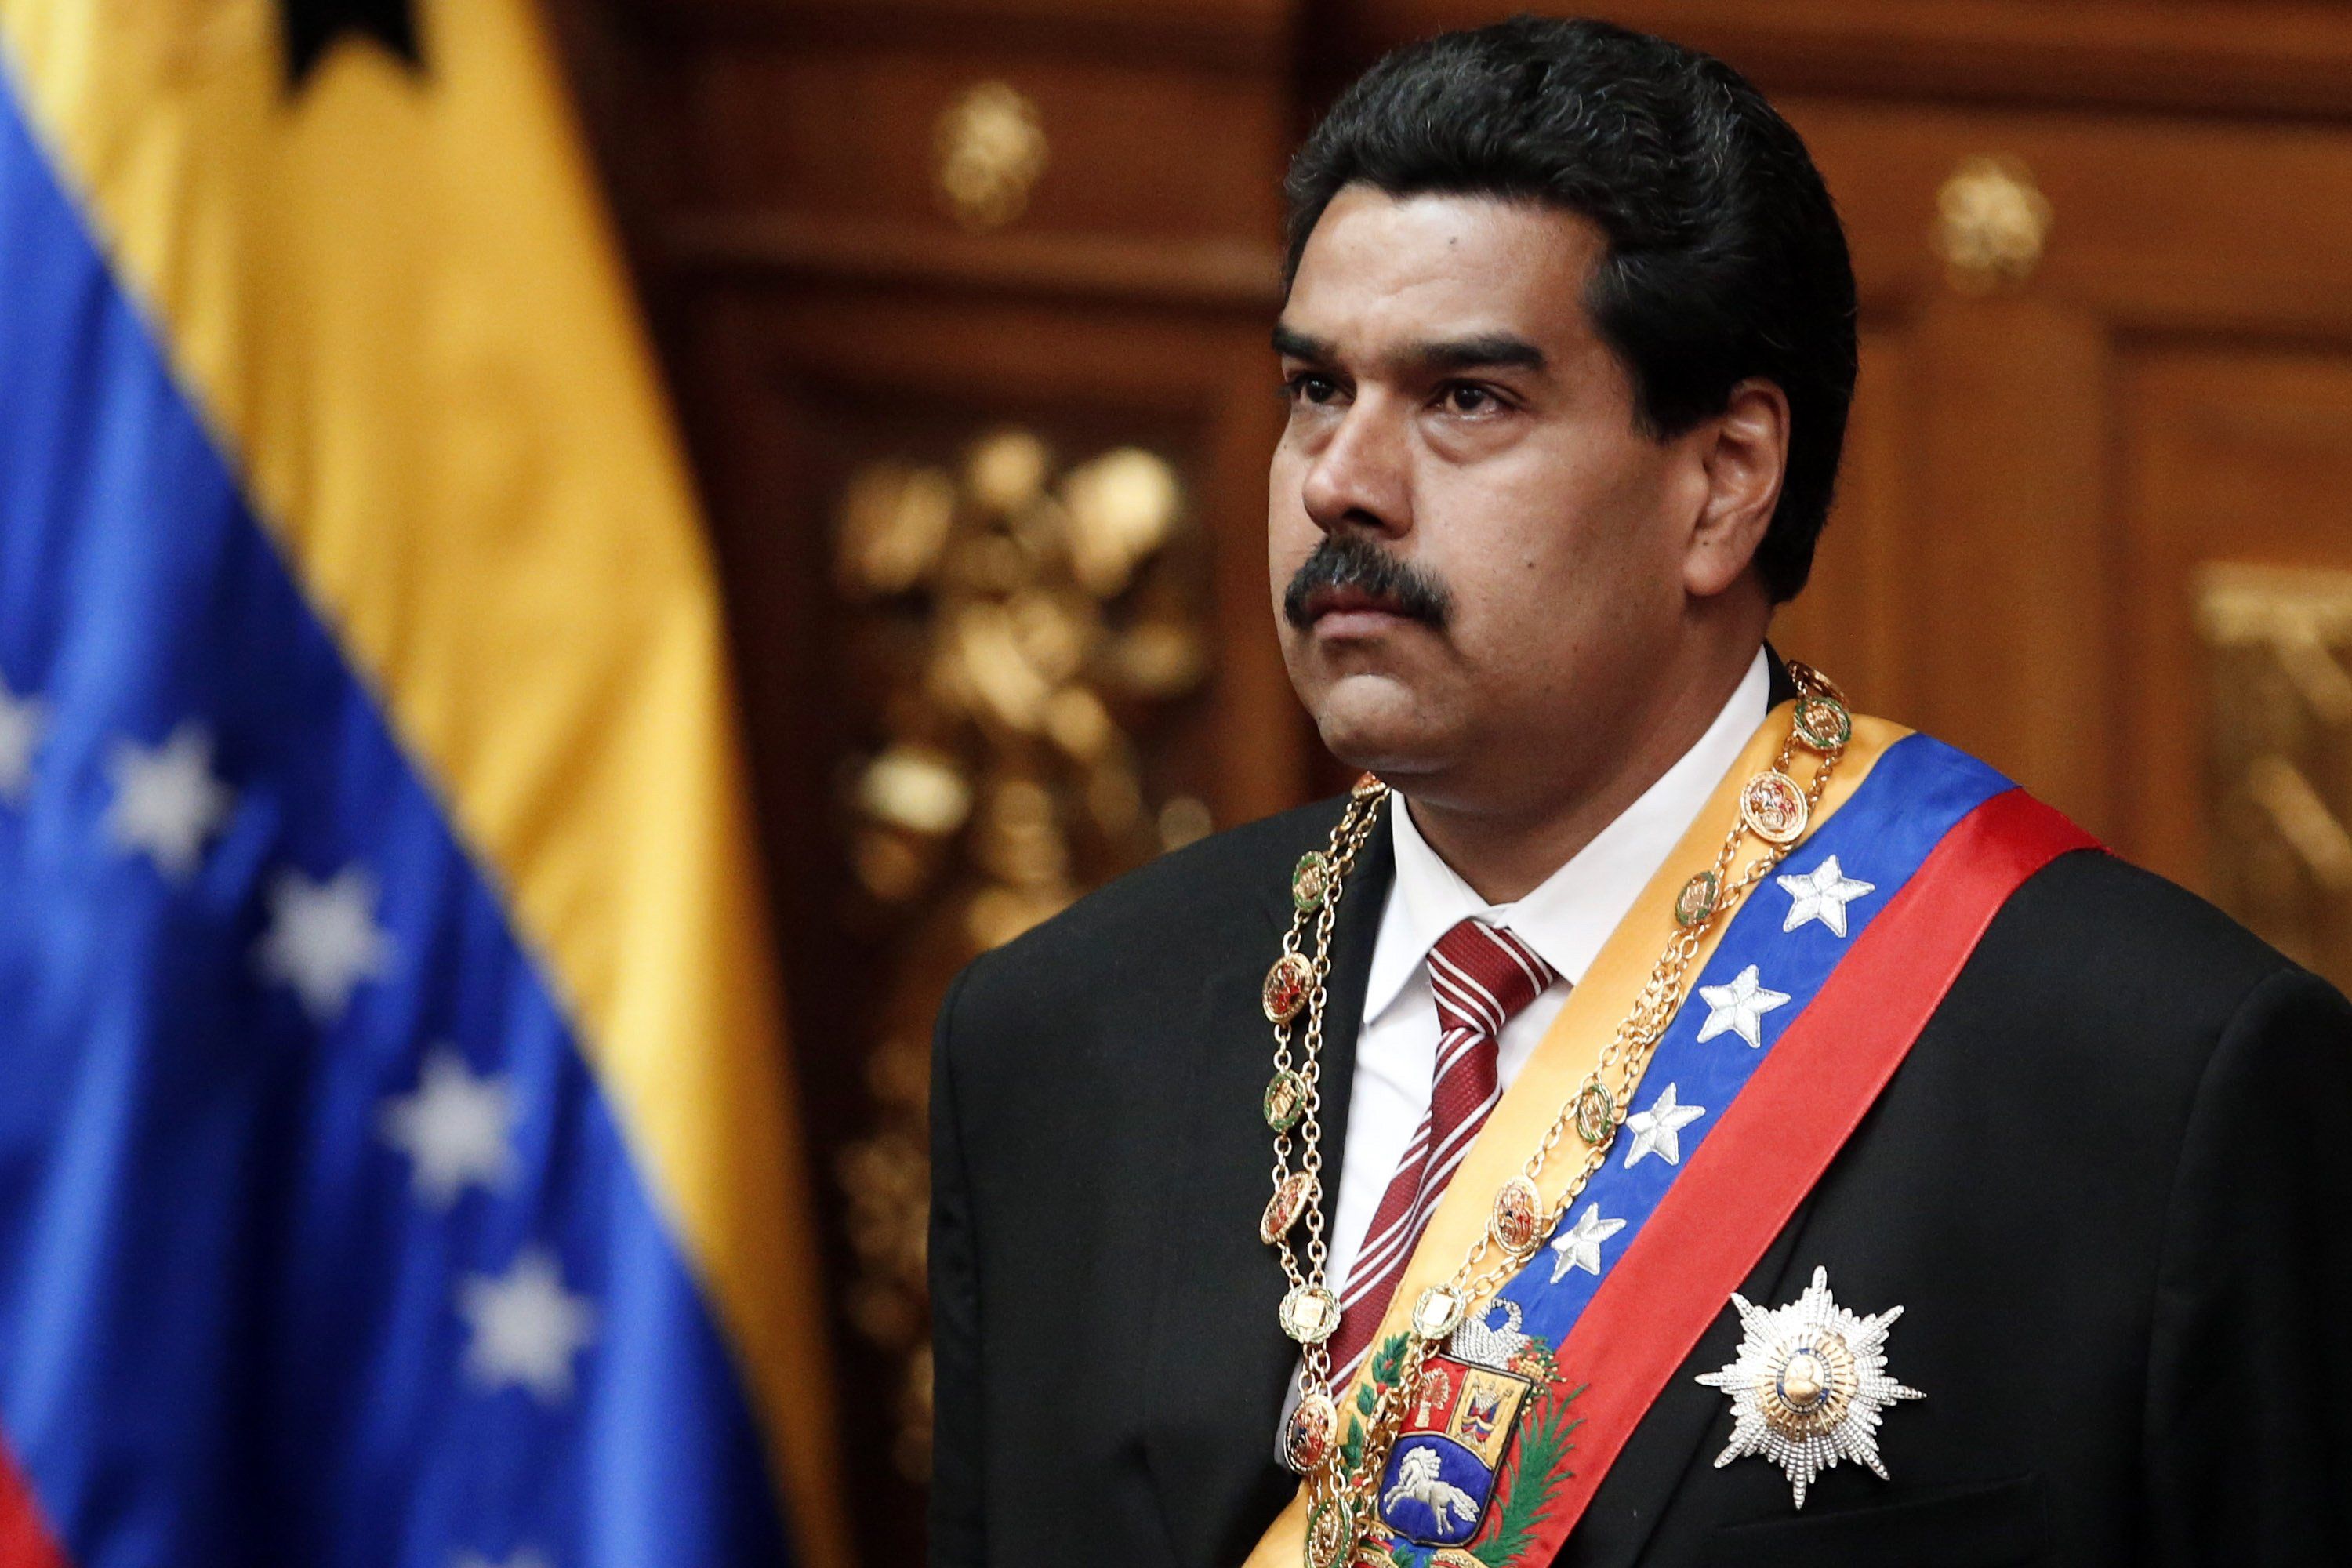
166	801
519	1560
526	1327
22	721
1658	1130
1822	894
323	939
1740	1007
1580	1248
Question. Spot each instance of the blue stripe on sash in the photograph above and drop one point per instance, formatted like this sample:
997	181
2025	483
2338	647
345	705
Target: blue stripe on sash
1918	791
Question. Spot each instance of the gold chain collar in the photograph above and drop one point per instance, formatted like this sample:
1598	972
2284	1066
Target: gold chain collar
1775	811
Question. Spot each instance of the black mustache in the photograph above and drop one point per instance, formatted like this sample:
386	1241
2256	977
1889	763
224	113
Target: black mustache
1351	561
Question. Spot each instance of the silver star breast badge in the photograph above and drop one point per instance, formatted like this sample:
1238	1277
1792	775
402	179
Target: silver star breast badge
1809	1386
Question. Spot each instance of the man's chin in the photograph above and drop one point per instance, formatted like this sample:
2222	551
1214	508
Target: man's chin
1371	722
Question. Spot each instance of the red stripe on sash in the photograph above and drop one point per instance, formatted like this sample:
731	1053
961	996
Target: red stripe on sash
1777	1137
25	1541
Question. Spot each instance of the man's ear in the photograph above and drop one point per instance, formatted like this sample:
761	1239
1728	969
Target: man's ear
1745	451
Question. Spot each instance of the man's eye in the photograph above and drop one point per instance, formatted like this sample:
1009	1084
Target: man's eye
1308	387
1464	398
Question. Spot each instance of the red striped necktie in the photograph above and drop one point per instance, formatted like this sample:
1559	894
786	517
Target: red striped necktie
1482	976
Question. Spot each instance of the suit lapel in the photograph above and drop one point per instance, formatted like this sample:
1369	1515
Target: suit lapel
1220	1365
1675	1434
1783	685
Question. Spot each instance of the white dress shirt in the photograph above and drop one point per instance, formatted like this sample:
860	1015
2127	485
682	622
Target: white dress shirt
1566	919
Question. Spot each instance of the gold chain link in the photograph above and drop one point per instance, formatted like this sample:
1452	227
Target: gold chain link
1615	1078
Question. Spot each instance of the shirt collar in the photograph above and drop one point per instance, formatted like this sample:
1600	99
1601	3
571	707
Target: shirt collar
1568	916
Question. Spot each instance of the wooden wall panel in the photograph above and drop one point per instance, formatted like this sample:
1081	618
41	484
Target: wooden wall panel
2007	568
851	134
1855	619
2019	523
830	316
2218	225
2230	453
2254	56
803	389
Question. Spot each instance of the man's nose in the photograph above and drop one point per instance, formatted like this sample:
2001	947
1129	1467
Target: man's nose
1360	479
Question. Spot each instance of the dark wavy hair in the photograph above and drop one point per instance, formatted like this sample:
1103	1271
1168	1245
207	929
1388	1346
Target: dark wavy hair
1725	258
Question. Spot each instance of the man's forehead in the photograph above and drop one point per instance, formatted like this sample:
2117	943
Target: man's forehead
1381	272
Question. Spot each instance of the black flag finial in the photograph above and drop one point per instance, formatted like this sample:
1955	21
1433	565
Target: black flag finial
312	28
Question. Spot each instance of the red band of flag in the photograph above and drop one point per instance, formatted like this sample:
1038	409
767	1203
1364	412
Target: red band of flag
24	1540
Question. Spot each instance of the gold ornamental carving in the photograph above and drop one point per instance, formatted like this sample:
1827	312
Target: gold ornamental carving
992	153
1020	622
1992	225
2279	646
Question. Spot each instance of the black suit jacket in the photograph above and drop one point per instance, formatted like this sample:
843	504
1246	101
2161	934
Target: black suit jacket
2112	1184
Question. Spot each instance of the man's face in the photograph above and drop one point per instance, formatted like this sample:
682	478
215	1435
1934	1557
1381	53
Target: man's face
1479	547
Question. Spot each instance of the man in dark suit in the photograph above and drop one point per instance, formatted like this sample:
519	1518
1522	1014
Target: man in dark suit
1568	342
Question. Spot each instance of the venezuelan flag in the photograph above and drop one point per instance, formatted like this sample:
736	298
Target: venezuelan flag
395	1162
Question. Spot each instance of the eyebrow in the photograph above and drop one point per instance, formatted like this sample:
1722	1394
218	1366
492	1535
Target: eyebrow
1293	344
1485	351
1491	351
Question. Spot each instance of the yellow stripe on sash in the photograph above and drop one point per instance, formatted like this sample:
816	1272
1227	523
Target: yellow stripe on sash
1564	1058
393	299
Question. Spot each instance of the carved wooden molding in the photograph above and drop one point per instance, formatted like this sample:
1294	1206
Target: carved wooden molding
2254	56
1217	274
2279	642
1018	622
1249	36
1992	223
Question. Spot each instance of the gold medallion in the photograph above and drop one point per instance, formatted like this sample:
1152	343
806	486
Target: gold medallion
1808	678
1330	1532
1309	1314
1773	807
1596	1113
1286	1102
1342	1485
1822	722
1310	879
1306	1436
1287	986
1517	1221
1282	1209
1696	900
1436	1313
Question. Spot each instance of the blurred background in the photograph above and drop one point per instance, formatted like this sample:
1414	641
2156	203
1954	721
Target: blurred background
399	1162
964	303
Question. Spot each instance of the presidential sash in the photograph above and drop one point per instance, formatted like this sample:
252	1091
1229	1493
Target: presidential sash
1807	1003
